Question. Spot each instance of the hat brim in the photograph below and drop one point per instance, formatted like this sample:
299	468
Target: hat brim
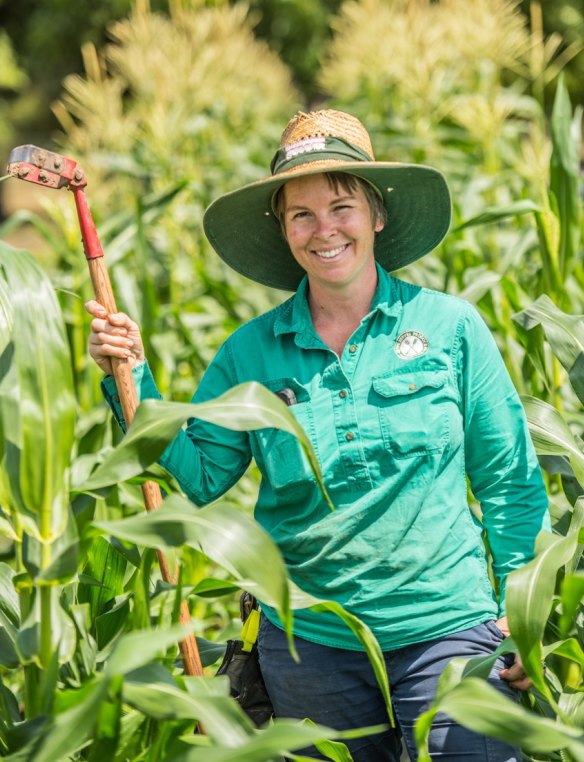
245	233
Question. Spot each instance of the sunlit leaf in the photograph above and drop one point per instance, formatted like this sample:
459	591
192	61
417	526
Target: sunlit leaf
230	538
480	707
301	599
565	334
246	407
551	434
529	598
222	717
276	739
47	409
571	597
495	213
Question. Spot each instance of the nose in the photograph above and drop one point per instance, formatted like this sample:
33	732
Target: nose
325	227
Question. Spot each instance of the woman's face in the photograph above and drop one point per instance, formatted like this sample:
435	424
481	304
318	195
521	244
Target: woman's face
330	232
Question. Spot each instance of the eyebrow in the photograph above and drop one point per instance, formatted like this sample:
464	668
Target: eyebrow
334	201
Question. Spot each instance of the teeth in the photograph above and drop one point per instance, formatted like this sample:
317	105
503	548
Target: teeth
331	253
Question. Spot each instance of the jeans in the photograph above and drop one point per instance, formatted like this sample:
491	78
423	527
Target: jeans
337	688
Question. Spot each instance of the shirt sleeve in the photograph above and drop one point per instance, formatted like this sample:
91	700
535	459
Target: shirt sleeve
205	459
501	462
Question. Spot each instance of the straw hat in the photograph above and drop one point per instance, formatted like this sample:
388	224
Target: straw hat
243	229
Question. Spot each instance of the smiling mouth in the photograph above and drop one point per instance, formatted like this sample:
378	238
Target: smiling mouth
330	253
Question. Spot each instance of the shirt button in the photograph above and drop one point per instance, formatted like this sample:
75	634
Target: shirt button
412	387
353	349
343	394
349	436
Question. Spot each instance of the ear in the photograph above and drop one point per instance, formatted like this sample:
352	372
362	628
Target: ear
379	225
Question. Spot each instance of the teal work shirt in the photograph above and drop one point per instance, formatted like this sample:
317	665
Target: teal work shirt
419	400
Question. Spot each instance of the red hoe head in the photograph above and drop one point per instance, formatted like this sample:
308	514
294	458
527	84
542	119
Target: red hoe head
37	165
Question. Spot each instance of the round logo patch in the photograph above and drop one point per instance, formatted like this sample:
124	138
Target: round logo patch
410	344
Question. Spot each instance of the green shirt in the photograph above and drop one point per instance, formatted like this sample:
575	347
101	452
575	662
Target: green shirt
419	399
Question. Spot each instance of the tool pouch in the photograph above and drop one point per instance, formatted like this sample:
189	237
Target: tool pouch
241	665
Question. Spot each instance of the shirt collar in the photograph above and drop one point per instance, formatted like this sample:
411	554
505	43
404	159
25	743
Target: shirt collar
295	316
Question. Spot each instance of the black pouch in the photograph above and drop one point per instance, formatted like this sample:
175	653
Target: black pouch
241	665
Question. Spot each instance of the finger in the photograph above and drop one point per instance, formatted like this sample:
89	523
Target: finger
120	319
106	351
98	325
95	308
102	340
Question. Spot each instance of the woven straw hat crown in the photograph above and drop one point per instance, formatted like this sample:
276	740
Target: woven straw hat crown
327	123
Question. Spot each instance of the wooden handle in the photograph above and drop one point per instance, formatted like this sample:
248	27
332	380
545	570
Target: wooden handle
129	402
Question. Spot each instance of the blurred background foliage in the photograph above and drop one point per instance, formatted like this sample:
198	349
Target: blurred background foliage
168	103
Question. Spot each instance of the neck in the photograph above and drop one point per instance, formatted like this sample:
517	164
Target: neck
337	313
347	304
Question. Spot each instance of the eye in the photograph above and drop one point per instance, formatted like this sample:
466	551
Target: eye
300	215
342	207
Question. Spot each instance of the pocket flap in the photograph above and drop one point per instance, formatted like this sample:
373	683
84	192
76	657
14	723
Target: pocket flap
406	384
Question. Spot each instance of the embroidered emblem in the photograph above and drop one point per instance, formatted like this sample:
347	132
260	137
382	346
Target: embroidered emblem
410	344
304	146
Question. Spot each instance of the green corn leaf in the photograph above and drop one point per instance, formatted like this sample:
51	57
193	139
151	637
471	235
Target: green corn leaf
140	647
565	175
155	696
456	670
482	708
106	735
496	213
246	407
565	334
269	744
529	596
44	433
230	538
69	730
301	599
571	596
107	566
569	649
551	434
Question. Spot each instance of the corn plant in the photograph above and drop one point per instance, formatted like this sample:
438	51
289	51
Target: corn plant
87	641
544	598
460	87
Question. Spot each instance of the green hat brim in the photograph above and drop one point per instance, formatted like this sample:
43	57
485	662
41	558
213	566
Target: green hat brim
244	231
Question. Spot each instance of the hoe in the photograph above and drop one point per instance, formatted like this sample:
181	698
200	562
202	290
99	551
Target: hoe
42	167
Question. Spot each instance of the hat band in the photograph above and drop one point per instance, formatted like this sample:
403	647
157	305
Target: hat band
316	149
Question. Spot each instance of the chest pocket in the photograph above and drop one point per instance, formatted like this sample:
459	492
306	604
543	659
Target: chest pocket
415	410
281	458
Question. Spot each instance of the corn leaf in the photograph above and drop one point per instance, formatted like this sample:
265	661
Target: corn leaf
155	696
246	407
277	738
495	213
302	599
565	175
482	708
230	538
44	429
551	434
565	334
529	597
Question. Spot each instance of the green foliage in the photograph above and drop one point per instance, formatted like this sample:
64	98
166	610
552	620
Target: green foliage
79	643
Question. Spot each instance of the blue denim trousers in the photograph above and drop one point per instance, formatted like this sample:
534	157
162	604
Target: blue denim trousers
337	688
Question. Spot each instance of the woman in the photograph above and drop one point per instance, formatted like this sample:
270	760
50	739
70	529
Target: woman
403	394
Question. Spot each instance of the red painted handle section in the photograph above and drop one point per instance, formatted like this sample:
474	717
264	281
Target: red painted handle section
91	242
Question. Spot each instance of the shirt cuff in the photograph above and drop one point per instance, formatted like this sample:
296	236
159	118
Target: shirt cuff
145	387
